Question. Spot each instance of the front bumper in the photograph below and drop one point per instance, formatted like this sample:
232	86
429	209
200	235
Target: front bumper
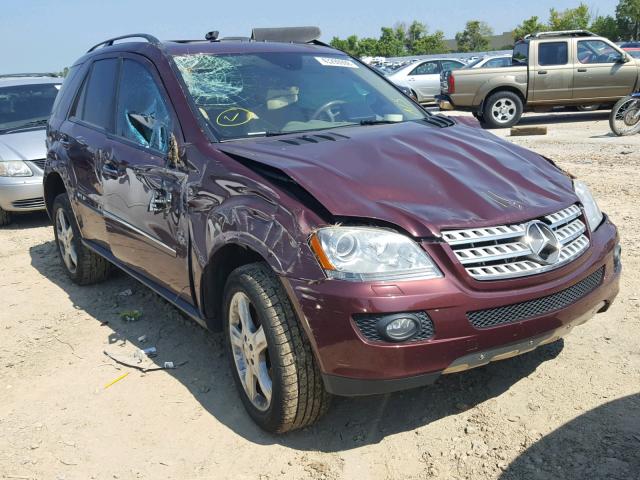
21	194
353	365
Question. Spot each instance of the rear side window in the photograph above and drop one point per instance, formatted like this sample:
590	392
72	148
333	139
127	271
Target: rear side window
94	105
142	114
553	53
521	53
451	65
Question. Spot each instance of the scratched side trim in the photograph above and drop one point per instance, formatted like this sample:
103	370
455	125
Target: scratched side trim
163	246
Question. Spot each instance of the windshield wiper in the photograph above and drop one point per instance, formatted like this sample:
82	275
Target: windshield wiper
34	123
377	122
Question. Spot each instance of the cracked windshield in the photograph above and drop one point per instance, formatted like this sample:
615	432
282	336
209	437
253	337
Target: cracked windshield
266	94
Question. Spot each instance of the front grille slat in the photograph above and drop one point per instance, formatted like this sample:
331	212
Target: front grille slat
518	312
29	203
39	163
497	253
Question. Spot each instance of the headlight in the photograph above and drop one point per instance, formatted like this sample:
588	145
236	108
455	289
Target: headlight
362	254
591	209
15	168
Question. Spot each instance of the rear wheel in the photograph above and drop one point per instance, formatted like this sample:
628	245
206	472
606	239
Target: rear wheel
5	218
82	265
271	360
502	110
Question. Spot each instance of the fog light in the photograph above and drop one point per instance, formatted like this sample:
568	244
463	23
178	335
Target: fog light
398	328
617	258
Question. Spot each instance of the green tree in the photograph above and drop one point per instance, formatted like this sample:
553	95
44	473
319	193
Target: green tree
368	47
349	45
606	26
389	45
475	37
628	19
429	44
571	19
529	26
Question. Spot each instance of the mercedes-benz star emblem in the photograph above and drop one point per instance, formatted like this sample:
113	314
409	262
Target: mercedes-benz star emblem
543	243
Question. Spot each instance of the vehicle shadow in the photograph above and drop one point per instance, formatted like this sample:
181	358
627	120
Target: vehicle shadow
602	443
350	423
23	221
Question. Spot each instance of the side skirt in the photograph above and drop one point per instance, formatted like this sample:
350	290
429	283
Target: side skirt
169	296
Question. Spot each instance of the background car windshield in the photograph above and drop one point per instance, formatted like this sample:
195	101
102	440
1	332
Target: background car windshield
21	105
268	93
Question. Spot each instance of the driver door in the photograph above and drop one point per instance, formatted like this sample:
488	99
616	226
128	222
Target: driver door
145	218
600	72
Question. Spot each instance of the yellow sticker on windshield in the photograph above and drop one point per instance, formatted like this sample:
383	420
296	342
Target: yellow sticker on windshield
234	117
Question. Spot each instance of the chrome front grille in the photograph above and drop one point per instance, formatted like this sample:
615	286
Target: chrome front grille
496	253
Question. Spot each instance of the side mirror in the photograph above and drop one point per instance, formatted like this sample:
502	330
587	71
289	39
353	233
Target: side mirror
173	154
408	92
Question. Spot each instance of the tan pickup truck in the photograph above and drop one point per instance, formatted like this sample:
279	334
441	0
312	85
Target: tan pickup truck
549	69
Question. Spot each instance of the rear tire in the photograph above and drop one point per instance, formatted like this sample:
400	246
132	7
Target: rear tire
5	218
82	265
271	360
502	110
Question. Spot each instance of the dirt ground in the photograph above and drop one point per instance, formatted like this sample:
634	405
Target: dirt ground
568	410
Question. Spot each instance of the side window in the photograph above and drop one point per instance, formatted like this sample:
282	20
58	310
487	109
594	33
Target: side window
451	65
521	53
426	68
553	53
597	51
142	114
94	105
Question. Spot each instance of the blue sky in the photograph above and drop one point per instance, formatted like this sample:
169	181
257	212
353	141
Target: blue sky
46	35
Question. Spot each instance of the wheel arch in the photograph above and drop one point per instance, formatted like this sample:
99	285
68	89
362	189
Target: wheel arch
503	88
215	274
53	186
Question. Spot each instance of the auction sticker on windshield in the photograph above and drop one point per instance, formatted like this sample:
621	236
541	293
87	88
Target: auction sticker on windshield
336	62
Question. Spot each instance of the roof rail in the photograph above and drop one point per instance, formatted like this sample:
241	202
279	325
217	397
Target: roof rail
562	33
17	75
286	34
107	43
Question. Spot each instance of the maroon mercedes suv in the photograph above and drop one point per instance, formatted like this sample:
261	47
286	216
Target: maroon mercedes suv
345	240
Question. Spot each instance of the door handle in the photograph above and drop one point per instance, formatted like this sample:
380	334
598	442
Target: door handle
160	201
542	72
110	170
582	70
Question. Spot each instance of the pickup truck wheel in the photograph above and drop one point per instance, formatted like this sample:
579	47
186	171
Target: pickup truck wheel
502	110
271	360
5	218
82	265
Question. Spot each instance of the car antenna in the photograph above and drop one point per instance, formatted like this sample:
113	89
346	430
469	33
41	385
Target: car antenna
212	36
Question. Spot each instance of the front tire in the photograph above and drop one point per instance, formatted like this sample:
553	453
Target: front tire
502	110
82	265
625	117
271	360
5	218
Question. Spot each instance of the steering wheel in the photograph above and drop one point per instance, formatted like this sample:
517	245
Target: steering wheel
327	109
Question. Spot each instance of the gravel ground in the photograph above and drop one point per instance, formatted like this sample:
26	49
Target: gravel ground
569	410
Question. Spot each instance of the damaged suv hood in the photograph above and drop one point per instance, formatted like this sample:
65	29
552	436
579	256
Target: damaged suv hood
419	177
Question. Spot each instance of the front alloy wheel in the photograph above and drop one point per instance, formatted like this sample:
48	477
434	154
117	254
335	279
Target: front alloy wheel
250	354
271	360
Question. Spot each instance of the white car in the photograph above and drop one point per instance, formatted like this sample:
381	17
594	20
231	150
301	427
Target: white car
423	76
494	61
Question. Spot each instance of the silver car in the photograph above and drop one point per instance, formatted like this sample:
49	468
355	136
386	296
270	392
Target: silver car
25	105
423	76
